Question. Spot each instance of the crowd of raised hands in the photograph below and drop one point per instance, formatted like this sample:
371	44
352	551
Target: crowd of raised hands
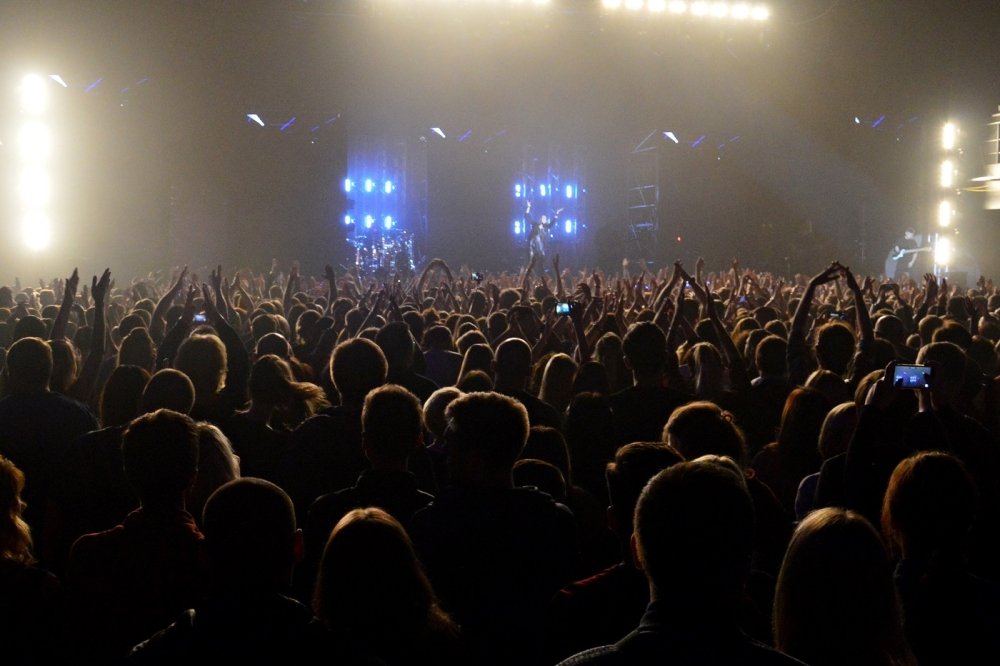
790	380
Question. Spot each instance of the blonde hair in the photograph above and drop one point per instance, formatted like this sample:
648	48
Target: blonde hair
15	535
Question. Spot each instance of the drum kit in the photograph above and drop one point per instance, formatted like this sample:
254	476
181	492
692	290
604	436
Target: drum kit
384	254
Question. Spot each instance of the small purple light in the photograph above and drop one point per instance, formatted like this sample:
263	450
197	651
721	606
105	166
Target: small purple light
878	122
288	124
93	85
698	141
465	137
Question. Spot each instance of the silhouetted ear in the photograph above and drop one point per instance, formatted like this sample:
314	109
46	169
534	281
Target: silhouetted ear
298	546
636	557
612	518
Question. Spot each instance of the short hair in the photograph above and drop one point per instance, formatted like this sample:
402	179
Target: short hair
203	359
696	518
540	474
771	356
703	428
549	445
391	421
645	348
439	337
273	343
249	527
122	395
168	389
29	365
358	366
30	326
513	358
634	465
475	380
397	344
948	360
834	347
491	425
953	332
838	428
160	454
434	409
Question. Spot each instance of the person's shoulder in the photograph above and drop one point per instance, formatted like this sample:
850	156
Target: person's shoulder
606	655
173	643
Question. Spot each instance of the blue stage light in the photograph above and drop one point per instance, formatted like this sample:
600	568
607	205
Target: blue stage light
369	221
517	227
348	185
348	220
387	222
569	191
541	190
369	185
388	187
517	190
568	226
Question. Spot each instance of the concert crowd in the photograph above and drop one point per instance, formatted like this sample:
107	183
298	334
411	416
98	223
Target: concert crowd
548	466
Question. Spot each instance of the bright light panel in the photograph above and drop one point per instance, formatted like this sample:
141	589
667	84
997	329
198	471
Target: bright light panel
387	222
700	8
943	251
35	189
947	176
634	5
388	187
34	143
36	232
348	220
945	213
517	227
677	7
369	221
657	6
569	226
948	136
34	94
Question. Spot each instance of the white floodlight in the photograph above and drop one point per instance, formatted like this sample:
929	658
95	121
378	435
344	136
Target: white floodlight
657	6
720	10
34	143
36	232
254	118
700	8
949	134
34	93
612	4
439	132
35	188
760	13
740	11
58	79
634	5
947	175
677	7
945	213
943	251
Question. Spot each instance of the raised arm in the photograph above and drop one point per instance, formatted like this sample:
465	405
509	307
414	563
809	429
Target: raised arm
69	295
158	324
83	387
798	354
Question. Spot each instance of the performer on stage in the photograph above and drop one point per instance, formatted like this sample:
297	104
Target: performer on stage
538	232
905	255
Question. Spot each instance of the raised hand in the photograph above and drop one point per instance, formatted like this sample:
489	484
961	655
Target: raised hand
188	312
71	284
99	288
216	279
211	310
329	274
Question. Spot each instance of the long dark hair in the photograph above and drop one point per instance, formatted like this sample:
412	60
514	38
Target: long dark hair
835	602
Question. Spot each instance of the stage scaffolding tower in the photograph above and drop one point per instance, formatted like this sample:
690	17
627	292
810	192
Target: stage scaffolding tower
642	207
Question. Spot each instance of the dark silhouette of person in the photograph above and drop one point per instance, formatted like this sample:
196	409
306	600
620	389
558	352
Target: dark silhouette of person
125	583
251	546
495	553
693	539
